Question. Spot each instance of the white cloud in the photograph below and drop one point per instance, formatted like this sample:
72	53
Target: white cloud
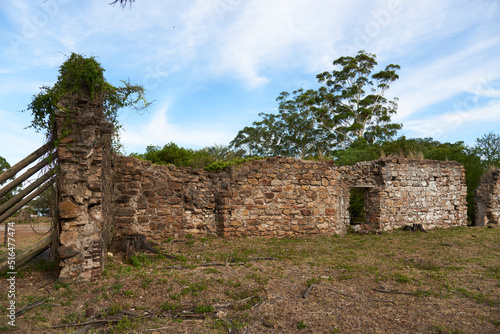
160	131
279	35
446	48
451	123
430	83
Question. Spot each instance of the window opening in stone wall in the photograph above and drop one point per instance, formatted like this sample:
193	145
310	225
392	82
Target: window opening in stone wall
357	205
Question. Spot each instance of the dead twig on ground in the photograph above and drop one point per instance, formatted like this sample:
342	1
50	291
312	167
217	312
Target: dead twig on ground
227	305
258	303
361	297
33	305
220	264
306	293
112	319
91	322
394	292
189	312
257	258
87	328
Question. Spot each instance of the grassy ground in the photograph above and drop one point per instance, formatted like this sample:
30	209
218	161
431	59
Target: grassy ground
444	281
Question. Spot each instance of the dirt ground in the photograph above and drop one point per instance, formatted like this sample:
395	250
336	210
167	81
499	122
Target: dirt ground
443	281
27	234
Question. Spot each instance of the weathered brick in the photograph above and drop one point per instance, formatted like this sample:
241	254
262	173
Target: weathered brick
124	212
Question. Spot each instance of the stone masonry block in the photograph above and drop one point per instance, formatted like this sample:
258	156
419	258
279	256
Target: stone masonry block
68	210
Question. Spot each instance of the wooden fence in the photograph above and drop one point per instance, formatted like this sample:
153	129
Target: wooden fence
27	194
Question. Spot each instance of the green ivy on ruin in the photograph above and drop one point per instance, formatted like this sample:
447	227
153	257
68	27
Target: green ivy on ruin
80	75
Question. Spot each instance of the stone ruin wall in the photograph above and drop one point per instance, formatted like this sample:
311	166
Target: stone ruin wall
162	201
487	199
280	197
427	192
83	190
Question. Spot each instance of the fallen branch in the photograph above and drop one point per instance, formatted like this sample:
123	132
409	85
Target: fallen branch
33	305
221	264
98	321
222	305
393	292
113	319
189	312
157	329
207	265
191	315
306	293
258	258
87	328
320	312
361	297
258	303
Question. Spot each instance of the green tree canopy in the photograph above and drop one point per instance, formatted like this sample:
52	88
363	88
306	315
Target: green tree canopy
223	153
349	105
185	157
351	101
42	204
171	154
488	148
293	132
4	165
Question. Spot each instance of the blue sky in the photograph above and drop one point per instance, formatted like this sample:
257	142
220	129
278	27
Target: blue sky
213	65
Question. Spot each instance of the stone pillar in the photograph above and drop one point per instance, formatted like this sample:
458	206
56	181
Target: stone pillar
84	155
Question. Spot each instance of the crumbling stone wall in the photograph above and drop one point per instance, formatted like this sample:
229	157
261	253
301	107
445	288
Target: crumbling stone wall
427	192
273	197
280	197
162	201
487	199
84	158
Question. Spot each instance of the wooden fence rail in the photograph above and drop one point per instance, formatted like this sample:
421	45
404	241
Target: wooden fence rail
23	177
25	192
34	189
9	173
9	212
28	254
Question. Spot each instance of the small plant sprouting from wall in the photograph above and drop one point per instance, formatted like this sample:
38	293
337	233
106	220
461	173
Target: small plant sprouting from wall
220	165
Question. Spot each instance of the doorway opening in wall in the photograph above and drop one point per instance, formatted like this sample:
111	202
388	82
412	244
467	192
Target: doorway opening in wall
357	206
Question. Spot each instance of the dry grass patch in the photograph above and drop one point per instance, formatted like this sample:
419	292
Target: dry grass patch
444	281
